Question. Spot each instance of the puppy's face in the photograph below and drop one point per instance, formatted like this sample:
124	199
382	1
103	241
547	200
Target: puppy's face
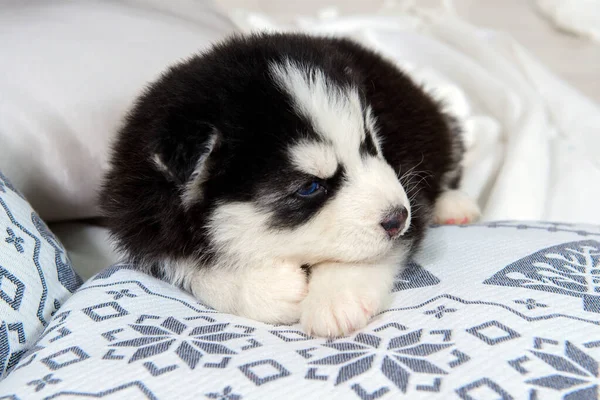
300	177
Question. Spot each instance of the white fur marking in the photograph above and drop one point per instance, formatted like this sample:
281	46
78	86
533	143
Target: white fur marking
336	112
314	158
371	123
180	272
193	187
161	166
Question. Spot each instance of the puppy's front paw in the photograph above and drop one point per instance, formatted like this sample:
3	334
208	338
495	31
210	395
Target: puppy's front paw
274	295
337	314
270	292
343	298
455	208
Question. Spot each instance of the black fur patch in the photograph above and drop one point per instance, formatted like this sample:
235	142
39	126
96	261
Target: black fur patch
367	146
292	210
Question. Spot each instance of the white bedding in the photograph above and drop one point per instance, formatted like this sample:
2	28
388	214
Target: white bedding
533	140
580	17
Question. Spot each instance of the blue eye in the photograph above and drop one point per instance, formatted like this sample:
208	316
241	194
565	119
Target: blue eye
309	189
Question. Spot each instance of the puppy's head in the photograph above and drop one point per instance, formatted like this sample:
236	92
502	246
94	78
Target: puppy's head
250	153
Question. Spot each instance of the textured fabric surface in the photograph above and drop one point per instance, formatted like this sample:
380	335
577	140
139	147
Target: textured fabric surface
498	311
36	276
69	72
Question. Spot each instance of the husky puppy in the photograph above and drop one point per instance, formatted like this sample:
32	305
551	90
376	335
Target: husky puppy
284	178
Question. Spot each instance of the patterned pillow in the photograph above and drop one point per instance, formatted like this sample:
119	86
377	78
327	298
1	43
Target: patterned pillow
494	311
36	276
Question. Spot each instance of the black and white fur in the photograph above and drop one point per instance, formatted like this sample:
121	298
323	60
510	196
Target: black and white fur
209	175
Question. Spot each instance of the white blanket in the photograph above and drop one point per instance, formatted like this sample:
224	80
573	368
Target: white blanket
580	17
534	142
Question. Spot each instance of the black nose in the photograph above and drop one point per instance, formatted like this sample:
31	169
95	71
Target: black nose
394	222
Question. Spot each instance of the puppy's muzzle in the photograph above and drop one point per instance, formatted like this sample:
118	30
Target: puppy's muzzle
394	222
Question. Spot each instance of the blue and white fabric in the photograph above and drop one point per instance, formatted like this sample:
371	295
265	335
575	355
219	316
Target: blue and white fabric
36	276
501	310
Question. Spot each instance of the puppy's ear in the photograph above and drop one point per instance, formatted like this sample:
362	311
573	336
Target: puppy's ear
187	161
193	191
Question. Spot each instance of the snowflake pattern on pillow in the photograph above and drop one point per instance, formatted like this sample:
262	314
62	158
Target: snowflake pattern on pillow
492	311
36	276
